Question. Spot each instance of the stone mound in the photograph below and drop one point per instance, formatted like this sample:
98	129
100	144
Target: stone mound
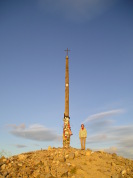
71	163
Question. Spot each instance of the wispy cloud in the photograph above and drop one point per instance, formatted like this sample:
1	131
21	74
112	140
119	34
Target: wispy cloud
99	125
103	115
104	132
112	149
35	132
97	138
123	137
76	9
14	126
20	146
35	144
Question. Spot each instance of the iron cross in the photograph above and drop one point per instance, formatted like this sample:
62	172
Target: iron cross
67	50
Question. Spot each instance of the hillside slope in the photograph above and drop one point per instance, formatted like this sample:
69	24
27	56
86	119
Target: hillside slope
59	162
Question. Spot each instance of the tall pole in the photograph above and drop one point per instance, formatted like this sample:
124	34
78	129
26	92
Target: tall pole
66	129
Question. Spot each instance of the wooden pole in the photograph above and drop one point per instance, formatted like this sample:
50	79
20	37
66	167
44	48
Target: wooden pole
66	129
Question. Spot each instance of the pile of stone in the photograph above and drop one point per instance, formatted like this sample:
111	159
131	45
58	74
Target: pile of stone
71	163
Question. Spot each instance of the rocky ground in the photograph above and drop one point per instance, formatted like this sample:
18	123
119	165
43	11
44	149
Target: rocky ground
71	163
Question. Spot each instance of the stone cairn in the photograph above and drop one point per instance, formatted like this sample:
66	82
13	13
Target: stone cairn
67	163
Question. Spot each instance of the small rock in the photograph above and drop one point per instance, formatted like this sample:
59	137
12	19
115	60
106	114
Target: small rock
47	169
113	164
62	171
1	163
75	176
42	176
88	153
66	156
49	148
114	155
22	157
76	154
79	166
3	166
7	161
62	159
53	171
9	165
51	158
1	159
20	164
71	155
37	162
99	170
4	160
36	174
5	173
83	152
45	162
115	176
123	172
69	164
48	176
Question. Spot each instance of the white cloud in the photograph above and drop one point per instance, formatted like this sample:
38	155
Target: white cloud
103	115
35	132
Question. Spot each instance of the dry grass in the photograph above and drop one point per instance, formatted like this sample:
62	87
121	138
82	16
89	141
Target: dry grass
5	153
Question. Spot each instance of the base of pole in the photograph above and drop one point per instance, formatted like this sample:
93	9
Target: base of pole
66	132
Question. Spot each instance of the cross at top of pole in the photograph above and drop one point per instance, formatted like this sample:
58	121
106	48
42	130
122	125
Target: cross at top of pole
67	50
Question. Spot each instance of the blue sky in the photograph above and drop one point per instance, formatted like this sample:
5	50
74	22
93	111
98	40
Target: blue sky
33	37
